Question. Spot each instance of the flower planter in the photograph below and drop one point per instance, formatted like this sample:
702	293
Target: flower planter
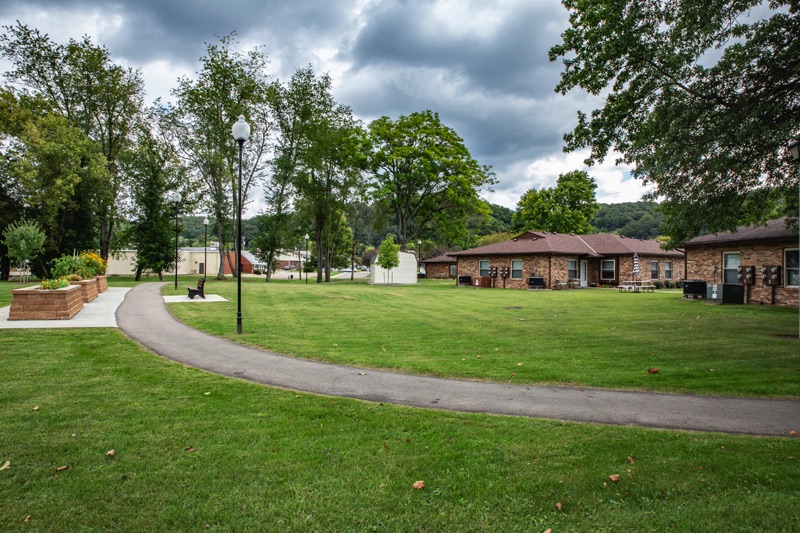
33	303
89	289
102	283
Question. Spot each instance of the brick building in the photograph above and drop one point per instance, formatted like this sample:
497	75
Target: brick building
584	260
717	258
441	267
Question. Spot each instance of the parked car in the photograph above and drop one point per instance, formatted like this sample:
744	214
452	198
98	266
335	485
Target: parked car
288	267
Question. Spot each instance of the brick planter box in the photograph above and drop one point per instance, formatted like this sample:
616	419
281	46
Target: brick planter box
102	283
33	303
89	289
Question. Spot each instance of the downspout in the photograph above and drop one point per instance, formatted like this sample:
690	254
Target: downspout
550	271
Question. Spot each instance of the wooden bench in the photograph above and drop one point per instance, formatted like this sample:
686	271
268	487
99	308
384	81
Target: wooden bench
199	291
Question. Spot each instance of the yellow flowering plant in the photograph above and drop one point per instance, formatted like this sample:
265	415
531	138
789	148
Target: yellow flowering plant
93	263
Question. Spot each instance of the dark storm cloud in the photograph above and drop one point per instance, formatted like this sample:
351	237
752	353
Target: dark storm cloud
482	65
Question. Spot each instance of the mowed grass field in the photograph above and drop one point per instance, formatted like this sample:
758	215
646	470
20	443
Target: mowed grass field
595	337
198	452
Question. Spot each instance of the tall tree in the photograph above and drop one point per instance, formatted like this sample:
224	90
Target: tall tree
100	98
321	150
423	174
230	83
566	208
701	101
153	169
54	172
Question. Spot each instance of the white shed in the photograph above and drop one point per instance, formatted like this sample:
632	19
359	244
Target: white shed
405	274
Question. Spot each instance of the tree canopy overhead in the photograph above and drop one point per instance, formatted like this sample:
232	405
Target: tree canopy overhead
702	97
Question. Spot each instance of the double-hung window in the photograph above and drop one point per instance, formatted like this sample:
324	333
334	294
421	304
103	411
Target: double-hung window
667	269
484	268
572	269
607	269
654	269
516	269
791	266
730	266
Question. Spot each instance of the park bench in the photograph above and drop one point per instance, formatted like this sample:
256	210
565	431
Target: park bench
198	291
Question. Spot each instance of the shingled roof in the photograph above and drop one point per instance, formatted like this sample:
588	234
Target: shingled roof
771	231
446	258
598	245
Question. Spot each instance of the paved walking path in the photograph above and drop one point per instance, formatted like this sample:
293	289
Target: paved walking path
144	317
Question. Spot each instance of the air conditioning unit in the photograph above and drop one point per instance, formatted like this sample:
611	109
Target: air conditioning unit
725	293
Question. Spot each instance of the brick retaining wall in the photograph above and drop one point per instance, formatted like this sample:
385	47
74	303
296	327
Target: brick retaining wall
33	303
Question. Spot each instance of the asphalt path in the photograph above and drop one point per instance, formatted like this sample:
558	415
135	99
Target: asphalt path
144	317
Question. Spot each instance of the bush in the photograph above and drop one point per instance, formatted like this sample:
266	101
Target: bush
679	284
668	284
257	272
56	283
93	263
658	284
67	265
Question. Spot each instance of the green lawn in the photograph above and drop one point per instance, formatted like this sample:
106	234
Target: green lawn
199	452
597	337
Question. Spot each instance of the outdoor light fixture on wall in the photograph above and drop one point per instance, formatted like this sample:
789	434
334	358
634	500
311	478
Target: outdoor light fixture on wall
241	132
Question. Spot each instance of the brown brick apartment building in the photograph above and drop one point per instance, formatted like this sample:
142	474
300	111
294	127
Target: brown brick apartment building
584	260
717	258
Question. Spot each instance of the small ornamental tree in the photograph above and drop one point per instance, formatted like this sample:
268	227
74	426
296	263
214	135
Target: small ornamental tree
24	241
389	256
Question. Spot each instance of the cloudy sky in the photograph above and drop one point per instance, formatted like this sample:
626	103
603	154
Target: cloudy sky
481	64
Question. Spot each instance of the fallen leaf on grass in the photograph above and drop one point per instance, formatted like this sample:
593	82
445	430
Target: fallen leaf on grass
5	465
548	530
519	364
111	453
35	407
558	506
62	468
630	460
653	370
335	345
189	449
614	477
419	485
27	518
383	348
793	433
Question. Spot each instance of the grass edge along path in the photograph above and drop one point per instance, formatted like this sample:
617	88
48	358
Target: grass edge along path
595	338
195	451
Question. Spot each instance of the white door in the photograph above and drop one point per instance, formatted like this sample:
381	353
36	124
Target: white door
584	273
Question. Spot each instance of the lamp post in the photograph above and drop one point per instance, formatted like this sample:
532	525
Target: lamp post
241	132
306	261
794	149
175	198
205	248
419	257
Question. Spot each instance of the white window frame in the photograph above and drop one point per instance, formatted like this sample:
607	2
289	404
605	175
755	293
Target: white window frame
481	270
654	263
613	269
667	269
519	269
575	270
734	271
786	270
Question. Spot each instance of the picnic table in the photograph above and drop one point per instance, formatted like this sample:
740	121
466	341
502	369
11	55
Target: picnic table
637	285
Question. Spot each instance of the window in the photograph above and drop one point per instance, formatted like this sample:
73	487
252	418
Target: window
516	269
654	269
572	269
607	269
667	269
730	264
484	268
791	265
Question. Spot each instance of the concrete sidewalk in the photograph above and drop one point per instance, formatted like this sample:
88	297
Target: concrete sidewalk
99	313
144	317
